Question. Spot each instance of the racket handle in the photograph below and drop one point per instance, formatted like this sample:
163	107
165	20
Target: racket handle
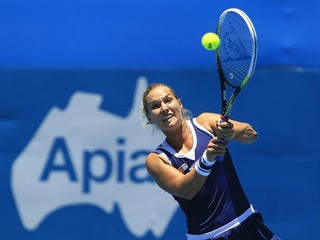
220	158
222	119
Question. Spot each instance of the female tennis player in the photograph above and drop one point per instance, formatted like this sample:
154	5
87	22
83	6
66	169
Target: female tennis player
207	190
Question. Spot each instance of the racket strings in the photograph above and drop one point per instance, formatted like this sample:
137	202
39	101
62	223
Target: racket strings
237	49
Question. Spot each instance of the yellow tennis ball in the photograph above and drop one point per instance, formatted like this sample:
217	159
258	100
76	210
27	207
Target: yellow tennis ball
210	41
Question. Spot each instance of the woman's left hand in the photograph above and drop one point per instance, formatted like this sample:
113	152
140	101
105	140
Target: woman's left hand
225	130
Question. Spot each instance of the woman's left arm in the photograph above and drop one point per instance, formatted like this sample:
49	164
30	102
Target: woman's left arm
240	131
232	130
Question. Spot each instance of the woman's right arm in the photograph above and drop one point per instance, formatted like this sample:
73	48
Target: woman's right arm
175	182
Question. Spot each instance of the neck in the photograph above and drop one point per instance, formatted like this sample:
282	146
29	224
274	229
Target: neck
181	139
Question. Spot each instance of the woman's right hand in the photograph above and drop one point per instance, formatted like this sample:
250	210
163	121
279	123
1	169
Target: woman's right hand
215	148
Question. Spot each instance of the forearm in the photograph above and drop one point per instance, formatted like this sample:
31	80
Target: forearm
244	133
190	185
194	180
173	181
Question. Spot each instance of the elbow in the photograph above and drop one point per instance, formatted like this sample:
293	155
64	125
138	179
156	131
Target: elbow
254	136
189	185
251	139
188	195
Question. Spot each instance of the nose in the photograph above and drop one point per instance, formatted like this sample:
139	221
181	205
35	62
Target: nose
164	106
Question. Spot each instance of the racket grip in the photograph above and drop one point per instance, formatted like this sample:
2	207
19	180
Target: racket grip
220	158
222	119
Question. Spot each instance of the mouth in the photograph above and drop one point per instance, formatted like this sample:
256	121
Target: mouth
167	118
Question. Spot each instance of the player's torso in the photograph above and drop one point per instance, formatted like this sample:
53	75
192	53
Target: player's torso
215	204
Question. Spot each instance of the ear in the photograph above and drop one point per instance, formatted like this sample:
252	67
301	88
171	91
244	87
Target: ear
180	103
149	119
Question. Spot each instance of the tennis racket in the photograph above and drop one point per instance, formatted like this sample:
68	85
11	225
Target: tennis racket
236	56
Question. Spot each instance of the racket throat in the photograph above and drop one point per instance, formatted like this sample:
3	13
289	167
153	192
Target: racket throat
224	118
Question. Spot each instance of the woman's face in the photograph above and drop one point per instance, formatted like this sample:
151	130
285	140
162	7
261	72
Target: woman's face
164	109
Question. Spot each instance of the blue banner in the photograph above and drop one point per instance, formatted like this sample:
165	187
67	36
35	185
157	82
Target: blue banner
73	147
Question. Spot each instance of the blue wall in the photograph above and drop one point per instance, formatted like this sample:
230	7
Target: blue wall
147	33
72	147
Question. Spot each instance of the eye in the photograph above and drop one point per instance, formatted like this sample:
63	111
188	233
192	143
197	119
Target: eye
168	100
154	106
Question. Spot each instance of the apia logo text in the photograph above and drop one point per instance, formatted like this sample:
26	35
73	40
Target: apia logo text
96	159
85	155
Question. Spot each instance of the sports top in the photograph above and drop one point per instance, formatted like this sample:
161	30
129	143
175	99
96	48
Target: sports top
221	199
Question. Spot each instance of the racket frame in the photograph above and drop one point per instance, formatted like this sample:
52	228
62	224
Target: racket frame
224	83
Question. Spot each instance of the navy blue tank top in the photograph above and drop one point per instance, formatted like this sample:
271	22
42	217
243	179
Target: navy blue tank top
221	199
